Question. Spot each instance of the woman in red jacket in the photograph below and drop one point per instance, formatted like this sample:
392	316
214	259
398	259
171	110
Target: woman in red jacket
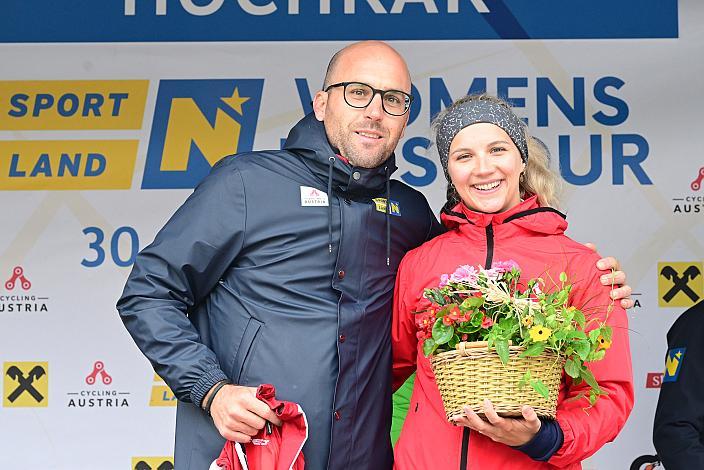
501	196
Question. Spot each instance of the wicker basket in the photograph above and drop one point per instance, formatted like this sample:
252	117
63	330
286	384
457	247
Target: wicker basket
472	373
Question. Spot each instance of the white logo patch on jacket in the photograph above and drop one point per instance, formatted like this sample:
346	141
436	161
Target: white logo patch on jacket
313	197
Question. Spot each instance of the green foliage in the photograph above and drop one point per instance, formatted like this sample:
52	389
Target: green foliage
477	306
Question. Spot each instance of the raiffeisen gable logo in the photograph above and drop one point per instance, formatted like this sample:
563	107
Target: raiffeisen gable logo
196	123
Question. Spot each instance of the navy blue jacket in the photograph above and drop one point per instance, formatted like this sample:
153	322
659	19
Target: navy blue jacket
678	433
241	284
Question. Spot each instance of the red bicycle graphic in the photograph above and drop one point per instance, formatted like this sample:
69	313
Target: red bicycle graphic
18	273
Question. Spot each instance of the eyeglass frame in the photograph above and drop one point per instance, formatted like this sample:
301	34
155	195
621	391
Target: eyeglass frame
374	93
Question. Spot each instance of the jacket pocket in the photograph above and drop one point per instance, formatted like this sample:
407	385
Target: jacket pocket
245	351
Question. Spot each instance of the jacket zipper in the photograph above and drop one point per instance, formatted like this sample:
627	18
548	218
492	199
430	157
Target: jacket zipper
487	265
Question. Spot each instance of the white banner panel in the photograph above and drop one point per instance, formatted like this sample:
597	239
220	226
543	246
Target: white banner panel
110	115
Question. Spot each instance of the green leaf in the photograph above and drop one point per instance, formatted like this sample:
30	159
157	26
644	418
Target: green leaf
540	387
579	318
442	333
594	334
572	368
525	380
578	334
534	349
502	350
429	346
589	378
582	348
472	302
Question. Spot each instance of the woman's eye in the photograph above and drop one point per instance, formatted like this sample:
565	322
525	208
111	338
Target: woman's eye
498	149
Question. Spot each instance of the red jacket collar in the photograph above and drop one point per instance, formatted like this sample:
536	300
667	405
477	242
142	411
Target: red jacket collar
528	214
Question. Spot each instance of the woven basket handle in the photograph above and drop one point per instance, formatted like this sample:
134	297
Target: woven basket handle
464	347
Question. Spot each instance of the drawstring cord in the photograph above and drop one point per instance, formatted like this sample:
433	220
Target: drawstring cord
388	217
331	161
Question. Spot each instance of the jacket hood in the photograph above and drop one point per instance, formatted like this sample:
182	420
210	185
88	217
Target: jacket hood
528	215
308	139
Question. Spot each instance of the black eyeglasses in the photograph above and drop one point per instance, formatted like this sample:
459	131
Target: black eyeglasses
359	95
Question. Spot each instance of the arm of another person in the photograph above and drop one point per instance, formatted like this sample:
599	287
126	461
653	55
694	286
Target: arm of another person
403	328
614	278
586	429
175	273
678	433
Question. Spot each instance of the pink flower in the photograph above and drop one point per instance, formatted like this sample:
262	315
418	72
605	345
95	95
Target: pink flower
447	320
505	266
464	273
444	279
487	322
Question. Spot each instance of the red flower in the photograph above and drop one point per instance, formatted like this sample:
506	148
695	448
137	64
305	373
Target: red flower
447	320
487	322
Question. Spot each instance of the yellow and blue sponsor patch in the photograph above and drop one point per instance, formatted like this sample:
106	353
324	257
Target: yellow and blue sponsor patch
380	204
673	364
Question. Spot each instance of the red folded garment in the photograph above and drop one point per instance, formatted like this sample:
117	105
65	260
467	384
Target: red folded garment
280	450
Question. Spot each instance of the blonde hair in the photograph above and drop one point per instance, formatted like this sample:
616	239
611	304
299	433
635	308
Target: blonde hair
537	178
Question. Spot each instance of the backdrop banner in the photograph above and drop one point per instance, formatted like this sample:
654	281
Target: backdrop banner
111	114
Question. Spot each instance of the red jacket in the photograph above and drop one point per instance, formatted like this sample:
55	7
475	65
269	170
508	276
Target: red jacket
534	238
279	450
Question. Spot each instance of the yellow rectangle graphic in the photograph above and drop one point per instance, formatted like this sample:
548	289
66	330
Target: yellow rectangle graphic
72	104
67	164
155	463
26	384
162	396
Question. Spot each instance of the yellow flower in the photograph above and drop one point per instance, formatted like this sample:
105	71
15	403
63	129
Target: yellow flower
528	321
540	333
603	343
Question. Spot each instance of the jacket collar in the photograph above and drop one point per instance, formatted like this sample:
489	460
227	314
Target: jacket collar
527	214
308	139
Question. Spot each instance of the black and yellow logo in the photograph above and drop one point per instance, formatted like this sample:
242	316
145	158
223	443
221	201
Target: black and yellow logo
152	463
680	284
26	384
161	393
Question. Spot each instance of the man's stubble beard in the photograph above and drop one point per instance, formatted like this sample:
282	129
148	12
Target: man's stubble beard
355	155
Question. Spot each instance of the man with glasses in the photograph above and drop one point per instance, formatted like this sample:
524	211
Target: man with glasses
280	269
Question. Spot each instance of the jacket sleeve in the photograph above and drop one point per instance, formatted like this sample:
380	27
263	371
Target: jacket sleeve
679	419
585	429
175	273
403	329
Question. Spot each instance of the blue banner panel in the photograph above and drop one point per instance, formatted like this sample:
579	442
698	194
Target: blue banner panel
320	20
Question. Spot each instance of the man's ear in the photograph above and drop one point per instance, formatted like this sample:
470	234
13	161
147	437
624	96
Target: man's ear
320	103
407	116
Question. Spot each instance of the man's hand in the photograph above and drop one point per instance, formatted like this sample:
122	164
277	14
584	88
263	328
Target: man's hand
238	414
617	279
509	431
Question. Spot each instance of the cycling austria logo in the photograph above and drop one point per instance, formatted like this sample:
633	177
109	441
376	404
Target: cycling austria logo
196	123
19	295
98	391
25	384
692	203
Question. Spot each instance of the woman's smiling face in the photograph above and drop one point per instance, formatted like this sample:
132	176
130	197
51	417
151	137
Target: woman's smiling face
485	167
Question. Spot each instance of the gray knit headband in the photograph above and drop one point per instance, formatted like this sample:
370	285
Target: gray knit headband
473	112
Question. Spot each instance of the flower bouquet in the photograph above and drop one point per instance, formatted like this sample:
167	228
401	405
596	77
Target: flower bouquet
490	336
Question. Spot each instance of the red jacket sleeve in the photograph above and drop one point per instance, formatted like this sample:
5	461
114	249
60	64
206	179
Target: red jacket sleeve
585	429
403	329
